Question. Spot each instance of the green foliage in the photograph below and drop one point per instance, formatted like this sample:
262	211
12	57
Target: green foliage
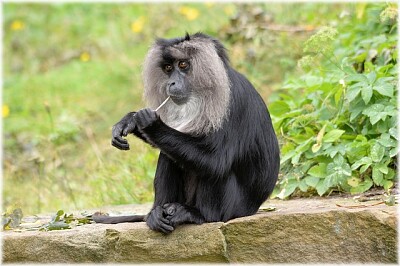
321	43
62	220
338	121
265	42
13	220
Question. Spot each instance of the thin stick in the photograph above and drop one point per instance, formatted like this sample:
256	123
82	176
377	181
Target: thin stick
163	103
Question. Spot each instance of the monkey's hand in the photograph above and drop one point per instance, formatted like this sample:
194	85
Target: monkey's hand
146	117
121	129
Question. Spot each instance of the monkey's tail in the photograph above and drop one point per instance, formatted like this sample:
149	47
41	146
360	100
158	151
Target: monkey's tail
104	219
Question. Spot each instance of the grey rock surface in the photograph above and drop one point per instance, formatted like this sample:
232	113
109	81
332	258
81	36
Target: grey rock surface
298	231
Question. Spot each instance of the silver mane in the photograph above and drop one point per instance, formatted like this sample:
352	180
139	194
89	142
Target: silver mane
208	104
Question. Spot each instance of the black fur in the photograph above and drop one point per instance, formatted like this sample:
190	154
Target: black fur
226	174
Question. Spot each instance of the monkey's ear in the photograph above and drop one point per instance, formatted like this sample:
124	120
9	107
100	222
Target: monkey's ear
187	37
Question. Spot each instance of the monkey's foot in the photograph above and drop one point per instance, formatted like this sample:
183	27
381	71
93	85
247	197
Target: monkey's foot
156	221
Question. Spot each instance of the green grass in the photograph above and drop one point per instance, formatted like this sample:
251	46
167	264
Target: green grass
57	152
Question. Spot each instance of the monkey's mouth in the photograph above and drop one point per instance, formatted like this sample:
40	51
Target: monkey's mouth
179	99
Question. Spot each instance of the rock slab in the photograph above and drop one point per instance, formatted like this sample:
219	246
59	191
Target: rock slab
299	231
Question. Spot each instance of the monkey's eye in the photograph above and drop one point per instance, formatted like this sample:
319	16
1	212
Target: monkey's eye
183	65
167	68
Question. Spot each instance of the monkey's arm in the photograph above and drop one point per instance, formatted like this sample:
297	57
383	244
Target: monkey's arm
210	157
127	125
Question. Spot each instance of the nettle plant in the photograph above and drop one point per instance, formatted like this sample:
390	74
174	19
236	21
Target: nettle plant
337	123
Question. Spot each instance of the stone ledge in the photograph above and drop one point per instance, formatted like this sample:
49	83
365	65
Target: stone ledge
299	231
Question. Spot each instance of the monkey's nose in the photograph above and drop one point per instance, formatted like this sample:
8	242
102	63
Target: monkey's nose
175	90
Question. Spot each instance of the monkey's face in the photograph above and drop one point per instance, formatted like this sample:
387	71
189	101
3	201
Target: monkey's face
177	86
191	72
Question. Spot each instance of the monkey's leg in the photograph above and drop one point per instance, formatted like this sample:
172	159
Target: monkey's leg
178	214
168	187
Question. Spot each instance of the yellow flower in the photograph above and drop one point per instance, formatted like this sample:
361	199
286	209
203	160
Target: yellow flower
6	110
137	25
17	25
85	56
209	4
229	10
189	12
360	10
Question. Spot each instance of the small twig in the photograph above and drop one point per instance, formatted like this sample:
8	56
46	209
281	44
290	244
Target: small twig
163	103
359	206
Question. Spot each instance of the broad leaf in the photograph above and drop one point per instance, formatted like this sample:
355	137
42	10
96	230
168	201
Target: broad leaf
333	135
366	93
377	152
352	92
288	189
360	78
353	181
362	161
318	170
321	188
288	156
278	108
387	184
386	141
312	181
303	186
371	77
364	168
338	95
393	133
382	168
356	109
377	176
363	186
383	86
375	112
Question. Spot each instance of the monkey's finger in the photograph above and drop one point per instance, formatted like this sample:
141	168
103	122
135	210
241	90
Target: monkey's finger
166	228
164	220
128	129
159	225
151	114
146	117
120	147
120	143
120	139
116	131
